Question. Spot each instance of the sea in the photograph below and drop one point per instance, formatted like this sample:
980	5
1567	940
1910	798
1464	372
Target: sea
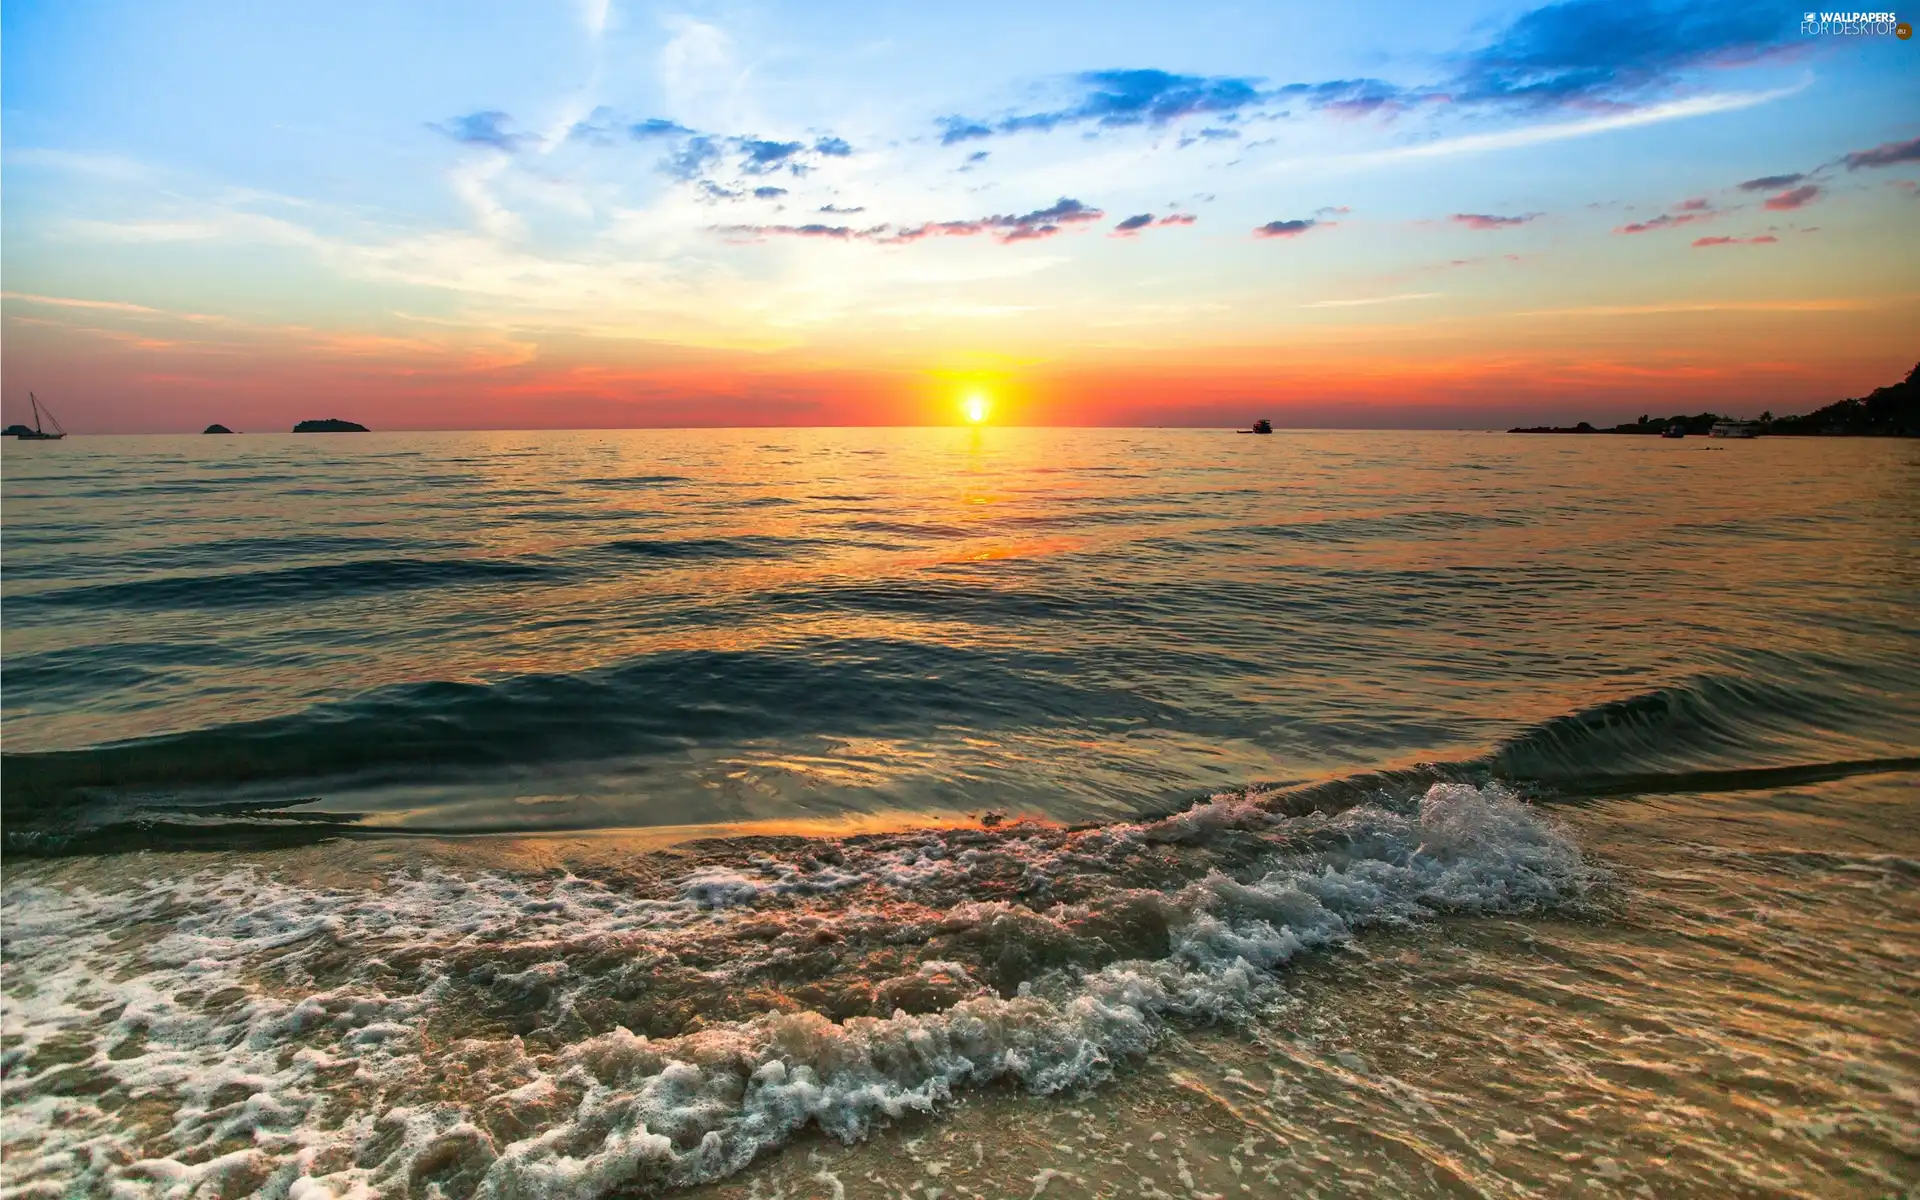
945	813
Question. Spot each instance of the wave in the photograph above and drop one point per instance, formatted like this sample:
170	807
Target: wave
1350	530
707	549
221	553
78	673
289	585
502	1036
619	482
1713	724
917	529
1712	733
441	730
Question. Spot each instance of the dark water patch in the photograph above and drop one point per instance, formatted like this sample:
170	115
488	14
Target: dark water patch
524	493
292	585
1733	780
221	552
1712	723
656	704
1091	512
963	600
1349	530
562	516
79	672
209	826
707	549
925	529
171	487
633	481
67	535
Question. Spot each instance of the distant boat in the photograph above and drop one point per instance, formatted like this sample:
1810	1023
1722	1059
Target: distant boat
1261	426
1734	429
37	434
1674	431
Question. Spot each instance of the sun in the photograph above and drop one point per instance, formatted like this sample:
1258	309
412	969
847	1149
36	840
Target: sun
974	408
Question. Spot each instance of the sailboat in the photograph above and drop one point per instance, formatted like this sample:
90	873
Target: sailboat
37	434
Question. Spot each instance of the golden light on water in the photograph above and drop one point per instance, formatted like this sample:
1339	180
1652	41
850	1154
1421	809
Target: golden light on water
975	409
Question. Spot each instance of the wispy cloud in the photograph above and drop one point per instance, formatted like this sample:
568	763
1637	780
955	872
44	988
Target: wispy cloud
1608	52
1134	224
961	129
1539	135
692	155
1366	300
1765	239
1116	98
1285	229
1708	306
1885	155
1767	183
1618	56
758	156
1006	229
654	127
835	232
1490	221
1209	134
1799	197
487	128
593	14
692	159
113	306
1040	223
1665	221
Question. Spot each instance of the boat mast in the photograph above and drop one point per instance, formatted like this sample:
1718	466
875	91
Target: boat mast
59	430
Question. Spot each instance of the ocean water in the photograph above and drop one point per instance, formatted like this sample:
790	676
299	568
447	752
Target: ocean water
959	812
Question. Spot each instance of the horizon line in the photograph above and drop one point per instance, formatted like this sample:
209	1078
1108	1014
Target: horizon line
1277	428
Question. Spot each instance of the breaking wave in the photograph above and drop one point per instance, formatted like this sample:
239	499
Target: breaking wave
504	1036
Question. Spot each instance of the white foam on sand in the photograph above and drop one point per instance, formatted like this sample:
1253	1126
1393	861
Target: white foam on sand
236	1034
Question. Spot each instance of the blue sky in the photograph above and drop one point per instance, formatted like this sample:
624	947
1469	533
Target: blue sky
604	213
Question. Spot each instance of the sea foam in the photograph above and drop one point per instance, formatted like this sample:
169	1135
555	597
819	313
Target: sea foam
235	1033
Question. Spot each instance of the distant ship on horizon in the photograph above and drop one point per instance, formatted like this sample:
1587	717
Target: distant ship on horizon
1261	426
37	434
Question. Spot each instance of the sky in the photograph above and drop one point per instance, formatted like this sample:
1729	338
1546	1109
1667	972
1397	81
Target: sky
602	213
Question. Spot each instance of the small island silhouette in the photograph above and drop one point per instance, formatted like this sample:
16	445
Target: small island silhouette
330	425
216	427
1892	411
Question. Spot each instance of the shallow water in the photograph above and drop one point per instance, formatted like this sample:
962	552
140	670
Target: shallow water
845	800
1741	1022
